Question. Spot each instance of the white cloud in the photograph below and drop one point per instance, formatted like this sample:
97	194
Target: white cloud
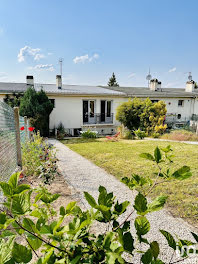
132	75
39	56
29	52
85	58
173	69
46	67
49	53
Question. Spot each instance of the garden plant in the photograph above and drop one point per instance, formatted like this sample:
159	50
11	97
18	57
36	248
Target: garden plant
30	226
89	134
39	159
142	114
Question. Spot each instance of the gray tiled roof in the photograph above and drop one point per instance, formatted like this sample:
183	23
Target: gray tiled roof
77	89
146	92
66	89
99	90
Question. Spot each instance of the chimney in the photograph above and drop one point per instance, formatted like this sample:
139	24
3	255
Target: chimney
59	81
190	86
30	80
155	85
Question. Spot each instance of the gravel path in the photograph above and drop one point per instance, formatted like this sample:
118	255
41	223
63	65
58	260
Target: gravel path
83	175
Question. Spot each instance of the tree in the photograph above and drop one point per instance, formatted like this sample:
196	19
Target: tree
14	99
142	114
113	81
37	107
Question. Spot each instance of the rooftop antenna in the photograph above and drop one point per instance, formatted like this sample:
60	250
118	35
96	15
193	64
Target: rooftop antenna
190	76
61	65
148	77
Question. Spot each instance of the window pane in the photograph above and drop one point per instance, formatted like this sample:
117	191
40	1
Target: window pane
91	109
108	108
53	102
180	102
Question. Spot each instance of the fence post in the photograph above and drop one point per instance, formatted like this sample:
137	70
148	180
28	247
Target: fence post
18	140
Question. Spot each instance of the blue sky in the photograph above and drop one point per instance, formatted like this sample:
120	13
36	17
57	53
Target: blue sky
96	38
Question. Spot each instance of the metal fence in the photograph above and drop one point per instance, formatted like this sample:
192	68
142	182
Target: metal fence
8	143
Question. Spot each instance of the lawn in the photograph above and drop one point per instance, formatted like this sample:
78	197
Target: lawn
122	159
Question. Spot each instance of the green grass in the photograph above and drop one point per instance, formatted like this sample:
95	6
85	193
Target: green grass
121	159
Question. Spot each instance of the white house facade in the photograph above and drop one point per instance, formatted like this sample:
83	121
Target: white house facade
81	107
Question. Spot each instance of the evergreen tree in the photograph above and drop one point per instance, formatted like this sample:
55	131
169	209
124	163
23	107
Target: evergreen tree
37	107
113	81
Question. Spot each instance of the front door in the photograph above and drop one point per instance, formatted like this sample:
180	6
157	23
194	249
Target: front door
103	107
89	112
85	112
92	116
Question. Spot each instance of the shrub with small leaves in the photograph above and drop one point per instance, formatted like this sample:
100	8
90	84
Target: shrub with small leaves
89	134
140	134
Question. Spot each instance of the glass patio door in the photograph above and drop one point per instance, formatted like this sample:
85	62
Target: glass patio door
89	111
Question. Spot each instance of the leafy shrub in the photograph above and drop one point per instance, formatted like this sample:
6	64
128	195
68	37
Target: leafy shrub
89	134
38	158
181	135
60	131
161	128
155	135
140	134
128	134
142	114
29	214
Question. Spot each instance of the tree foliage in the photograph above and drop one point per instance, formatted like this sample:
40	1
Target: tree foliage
37	107
143	114
13	99
113	81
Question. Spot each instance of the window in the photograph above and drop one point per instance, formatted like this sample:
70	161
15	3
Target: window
154	101
108	108
91	109
180	102
53	102
179	116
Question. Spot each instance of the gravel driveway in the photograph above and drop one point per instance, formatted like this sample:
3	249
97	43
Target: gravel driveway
83	175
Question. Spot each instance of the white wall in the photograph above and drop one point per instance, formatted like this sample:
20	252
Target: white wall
186	110
69	110
196	107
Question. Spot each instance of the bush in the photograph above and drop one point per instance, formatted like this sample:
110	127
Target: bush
38	158
125	133
60	131
89	134
128	134
155	135
29	225
142	114
140	134
161	128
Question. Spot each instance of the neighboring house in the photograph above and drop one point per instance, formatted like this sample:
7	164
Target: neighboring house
82	107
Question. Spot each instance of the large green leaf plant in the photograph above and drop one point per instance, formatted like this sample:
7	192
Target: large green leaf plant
30	226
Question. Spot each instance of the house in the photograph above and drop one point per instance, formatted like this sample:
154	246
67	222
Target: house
79	107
